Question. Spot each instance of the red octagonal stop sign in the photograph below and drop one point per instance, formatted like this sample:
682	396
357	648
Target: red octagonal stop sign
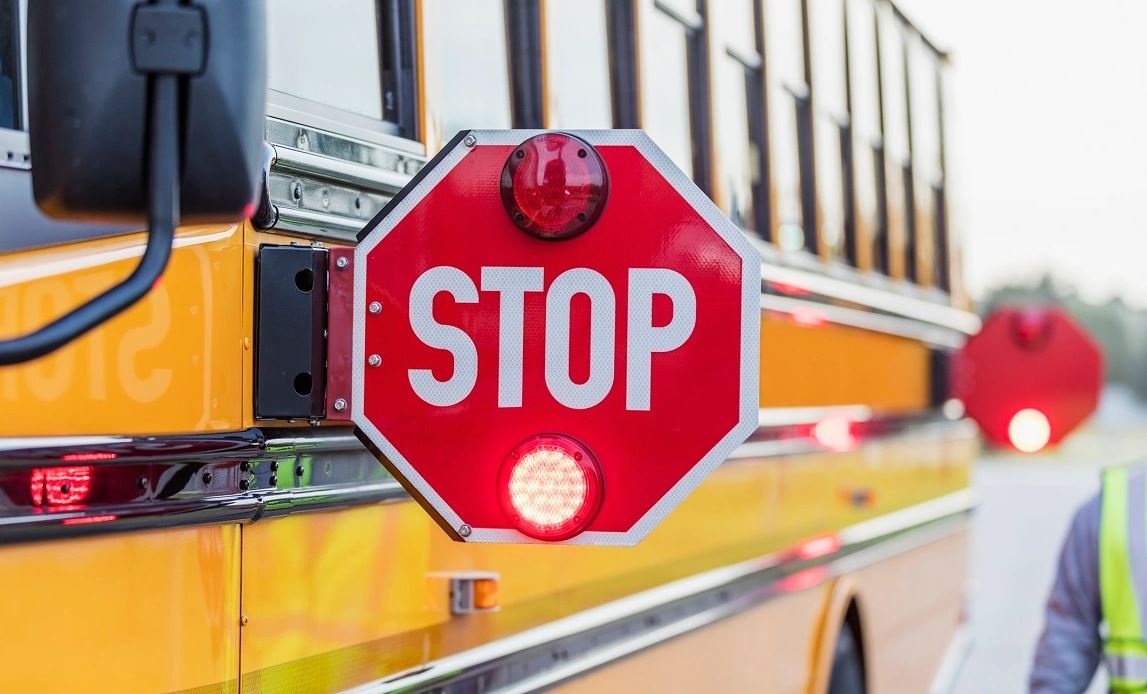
511	381
1029	377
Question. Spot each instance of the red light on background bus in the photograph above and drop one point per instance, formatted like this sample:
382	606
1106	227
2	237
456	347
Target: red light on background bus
550	487
554	186
60	486
1029	431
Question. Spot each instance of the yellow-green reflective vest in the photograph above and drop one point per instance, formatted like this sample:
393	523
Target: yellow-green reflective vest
1123	576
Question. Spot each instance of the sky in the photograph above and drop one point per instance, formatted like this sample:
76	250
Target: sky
1047	139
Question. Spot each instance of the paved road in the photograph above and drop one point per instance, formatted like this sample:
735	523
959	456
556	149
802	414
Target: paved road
1026	504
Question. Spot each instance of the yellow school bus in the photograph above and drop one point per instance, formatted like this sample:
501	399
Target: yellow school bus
179	511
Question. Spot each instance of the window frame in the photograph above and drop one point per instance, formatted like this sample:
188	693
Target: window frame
397	46
526	71
756	114
698	83
19	92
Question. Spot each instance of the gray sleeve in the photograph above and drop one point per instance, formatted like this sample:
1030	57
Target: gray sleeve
1069	648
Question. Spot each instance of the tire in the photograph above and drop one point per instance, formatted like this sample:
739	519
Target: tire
847	669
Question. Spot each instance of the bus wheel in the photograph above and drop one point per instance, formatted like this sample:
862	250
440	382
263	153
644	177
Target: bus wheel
847	671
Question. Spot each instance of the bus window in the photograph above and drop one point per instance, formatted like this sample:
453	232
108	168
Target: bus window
864	120
466	43
577	64
925	150
829	98
786	88
738	91
9	81
669	34
896	142
326	53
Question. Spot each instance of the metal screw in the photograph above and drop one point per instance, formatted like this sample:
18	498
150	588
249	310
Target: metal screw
244	466
469	141
299	471
374	360
297	191
243	620
342	262
340	405
465	530
207	477
273	481
244	484
142	483
375	307
274	465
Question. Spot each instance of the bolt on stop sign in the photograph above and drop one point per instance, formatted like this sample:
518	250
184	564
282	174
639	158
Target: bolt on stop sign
556	336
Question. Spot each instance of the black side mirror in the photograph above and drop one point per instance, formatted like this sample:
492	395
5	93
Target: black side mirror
142	111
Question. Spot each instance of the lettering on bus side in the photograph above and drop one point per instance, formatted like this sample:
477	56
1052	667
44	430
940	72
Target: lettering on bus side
643	337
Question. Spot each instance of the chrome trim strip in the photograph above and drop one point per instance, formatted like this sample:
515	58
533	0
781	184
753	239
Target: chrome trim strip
287	107
911	328
299	470
880	299
338	170
574	645
317	224
952	664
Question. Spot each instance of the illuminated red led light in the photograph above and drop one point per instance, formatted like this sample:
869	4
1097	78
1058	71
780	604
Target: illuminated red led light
60	486
808	316
835	433
87	457
554	186
1032	328
818	547
1029	431
550	487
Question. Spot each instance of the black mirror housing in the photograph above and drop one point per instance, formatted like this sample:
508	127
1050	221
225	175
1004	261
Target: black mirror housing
88	81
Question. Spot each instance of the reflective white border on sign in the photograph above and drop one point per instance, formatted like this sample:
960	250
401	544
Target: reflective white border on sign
750	331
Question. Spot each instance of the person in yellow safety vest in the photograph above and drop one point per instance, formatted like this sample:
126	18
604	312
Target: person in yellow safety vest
1098	604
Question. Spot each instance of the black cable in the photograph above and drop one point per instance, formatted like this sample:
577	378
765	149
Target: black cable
163	211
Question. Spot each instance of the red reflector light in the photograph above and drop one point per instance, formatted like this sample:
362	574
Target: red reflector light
554	186
87	457
550	487
1029	431
818	547
835	433
60	486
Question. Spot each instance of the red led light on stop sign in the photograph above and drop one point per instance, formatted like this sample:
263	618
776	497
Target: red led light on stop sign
554	186
550	487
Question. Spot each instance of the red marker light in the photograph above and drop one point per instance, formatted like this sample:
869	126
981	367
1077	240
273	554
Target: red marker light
817	547
60	486
1032	328
1029	431
554	186
550	487
834	432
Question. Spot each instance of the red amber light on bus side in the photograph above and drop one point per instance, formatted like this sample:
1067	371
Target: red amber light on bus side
550	487
554	186
1029	431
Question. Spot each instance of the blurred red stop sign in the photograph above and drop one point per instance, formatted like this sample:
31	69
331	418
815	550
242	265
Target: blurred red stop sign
556	337
1030	377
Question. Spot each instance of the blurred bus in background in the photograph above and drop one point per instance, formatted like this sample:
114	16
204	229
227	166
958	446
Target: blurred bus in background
161	531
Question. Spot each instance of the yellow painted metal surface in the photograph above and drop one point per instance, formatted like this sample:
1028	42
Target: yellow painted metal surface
169	364
337	599
775	647
145	612
763	649
808	366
